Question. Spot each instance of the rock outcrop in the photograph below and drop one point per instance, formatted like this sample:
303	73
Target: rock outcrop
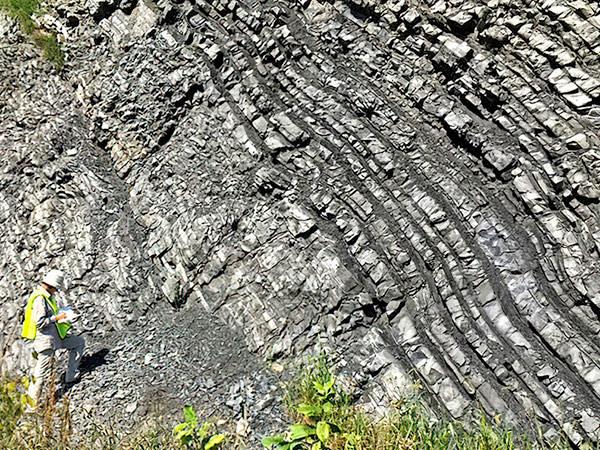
414	184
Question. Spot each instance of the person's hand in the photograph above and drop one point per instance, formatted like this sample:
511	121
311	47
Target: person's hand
59	317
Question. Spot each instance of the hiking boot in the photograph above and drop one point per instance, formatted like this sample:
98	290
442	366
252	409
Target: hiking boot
75	380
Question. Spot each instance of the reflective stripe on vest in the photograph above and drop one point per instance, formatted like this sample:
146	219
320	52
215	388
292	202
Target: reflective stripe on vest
29	326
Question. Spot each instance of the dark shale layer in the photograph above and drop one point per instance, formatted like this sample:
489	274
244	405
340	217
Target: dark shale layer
414	185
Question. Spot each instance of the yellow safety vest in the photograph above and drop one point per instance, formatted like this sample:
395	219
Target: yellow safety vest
29	326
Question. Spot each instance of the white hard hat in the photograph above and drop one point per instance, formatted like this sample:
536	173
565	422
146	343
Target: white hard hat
55	278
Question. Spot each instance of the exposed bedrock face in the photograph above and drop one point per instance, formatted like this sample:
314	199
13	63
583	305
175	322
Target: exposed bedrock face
413	184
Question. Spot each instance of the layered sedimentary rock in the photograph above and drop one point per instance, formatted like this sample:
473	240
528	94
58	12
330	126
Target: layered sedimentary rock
415	185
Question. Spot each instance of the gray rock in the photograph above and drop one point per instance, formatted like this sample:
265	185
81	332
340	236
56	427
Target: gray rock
289	129
229	181
101	9
501	161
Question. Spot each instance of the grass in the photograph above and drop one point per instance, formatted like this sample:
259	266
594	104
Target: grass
50	427
50	48
23	11
324	417
11	409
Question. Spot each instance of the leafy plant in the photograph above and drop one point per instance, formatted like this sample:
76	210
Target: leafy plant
302	436
323	400
315	384
325	419
194	435
319	399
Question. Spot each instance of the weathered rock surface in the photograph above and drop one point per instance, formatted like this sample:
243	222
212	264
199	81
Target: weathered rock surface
413	184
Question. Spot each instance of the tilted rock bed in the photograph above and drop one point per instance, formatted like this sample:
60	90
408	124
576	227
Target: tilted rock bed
414	184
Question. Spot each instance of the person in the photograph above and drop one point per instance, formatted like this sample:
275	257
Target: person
47	327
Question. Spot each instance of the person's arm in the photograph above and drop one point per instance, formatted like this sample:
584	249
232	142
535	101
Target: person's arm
42	315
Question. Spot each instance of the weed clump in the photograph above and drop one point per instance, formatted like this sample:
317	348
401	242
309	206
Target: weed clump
11	408
193	434
23	11
325	418
49	427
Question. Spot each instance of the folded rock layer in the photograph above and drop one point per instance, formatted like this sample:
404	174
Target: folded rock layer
412	184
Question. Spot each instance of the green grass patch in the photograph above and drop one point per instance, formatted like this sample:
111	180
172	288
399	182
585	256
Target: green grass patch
50	48
323	417
23	11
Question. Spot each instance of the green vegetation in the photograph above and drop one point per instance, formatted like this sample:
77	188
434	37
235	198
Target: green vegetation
322	413
325	418
49	427
12	404
50	48
194	435
23	11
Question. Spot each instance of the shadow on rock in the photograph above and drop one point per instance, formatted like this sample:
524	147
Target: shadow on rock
88	364
91	362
